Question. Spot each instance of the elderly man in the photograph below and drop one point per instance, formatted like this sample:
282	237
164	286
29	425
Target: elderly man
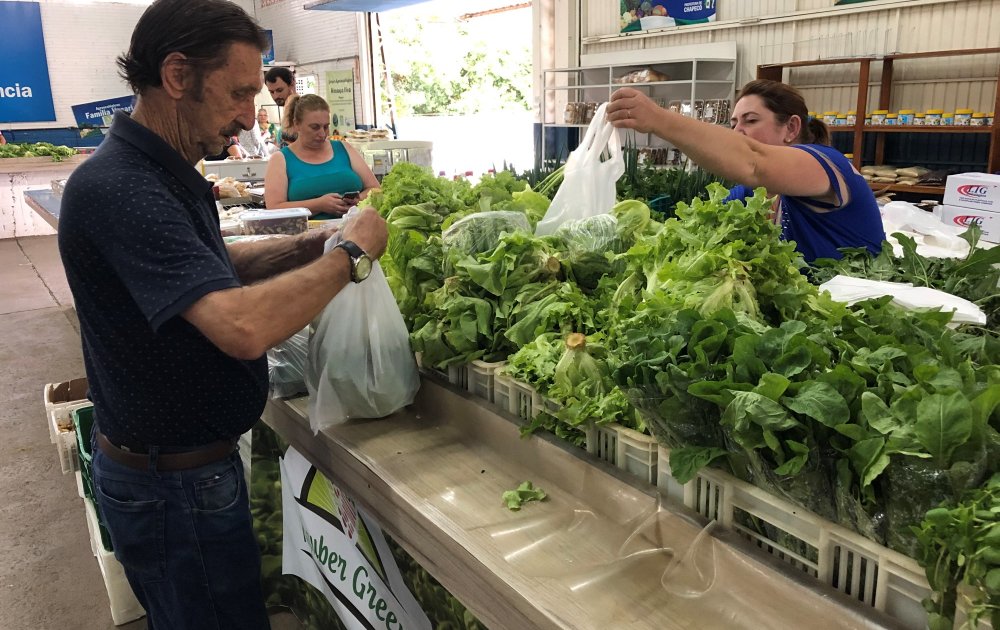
175	325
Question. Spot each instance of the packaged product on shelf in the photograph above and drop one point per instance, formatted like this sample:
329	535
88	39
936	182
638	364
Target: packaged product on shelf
918	119
891	119
868	120
830	118
963	117
978	120
912	171
841	120
933	117
287	221
947	119
988	222
989	119
906	116
973	190
646	75
852	117
878	116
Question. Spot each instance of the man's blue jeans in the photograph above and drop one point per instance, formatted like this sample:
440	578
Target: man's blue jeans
186	541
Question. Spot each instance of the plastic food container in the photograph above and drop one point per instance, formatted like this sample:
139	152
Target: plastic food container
878	116
830	118
852	117
841	121
918	119
231	227
933	117
891	119
947	119
979	120
287	221
906	116
868	120
963	117
989	119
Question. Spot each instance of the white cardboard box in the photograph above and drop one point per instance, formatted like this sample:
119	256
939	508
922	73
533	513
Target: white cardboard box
973	190
965	217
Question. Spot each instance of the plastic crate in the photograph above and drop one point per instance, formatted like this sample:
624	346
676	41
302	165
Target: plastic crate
871	573
60	399
458	375
83	421
480	375
514	396
124	605
65	442
79	484
637	453
602	441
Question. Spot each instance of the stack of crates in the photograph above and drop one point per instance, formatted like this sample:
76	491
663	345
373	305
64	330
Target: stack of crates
60	401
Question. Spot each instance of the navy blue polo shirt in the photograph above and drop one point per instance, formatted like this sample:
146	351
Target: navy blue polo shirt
139	238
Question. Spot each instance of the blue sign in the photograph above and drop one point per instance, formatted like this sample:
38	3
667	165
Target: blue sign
25	92
267	56
639	15
99	113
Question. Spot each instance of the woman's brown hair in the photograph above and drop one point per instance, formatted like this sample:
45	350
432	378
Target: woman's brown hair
305	104
784	101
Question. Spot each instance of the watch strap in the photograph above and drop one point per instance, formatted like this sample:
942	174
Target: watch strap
354	254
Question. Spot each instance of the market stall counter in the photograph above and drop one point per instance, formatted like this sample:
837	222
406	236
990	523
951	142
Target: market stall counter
598	552
22	214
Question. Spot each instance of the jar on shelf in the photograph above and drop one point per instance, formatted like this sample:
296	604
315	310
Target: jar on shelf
830	118
868	120
947	119
989	119
878	117
569	115
978	119
841	120
933	117
852	117
589	110
963	117
918	119
906	116
891	119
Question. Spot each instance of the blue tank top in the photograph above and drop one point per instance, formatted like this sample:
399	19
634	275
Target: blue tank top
853	221
308	181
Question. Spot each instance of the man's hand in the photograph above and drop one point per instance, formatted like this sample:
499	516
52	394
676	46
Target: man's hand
369	231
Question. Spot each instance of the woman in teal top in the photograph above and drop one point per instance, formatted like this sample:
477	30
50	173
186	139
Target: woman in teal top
314	172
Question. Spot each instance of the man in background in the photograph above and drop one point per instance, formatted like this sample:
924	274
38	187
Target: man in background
280	84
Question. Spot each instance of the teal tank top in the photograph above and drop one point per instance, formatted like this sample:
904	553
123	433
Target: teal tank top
308	181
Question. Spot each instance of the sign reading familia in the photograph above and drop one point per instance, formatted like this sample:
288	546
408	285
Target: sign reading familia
25	93
639	15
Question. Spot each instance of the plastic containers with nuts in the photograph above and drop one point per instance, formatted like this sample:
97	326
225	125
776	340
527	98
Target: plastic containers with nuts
891	119
830	118
933	117
979	119
852	117
963	117
906	116
287	221
878	117
947	119
918	119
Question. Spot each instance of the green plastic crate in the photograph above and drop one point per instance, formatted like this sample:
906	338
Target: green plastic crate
83	422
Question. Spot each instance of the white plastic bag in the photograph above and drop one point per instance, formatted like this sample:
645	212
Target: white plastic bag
588	187
934	238
360	364
850	290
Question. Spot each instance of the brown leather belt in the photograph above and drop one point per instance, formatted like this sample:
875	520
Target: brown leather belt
167	462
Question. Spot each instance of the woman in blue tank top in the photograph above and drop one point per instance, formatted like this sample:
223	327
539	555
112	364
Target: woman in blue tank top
314	172
823	203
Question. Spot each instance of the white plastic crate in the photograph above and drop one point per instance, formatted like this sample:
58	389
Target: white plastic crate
60	399
871	573
79	483
69	459
629	450
124	606
480	375
458	375
514	396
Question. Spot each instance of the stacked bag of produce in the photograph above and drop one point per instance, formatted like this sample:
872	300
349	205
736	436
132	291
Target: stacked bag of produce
903	176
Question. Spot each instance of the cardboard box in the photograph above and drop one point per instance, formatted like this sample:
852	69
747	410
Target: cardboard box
973	190
965	217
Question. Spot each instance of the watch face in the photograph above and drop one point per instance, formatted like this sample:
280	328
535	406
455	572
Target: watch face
362	268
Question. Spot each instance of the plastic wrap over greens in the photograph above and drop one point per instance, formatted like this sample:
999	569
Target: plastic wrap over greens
480	233
590	246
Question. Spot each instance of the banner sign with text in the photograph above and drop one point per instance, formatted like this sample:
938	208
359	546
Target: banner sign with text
340	97
25	92
100	113
334	546
640	15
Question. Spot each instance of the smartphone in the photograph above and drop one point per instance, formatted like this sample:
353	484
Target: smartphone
351	195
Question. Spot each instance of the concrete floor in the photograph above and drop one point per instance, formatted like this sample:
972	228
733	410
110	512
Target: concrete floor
49	579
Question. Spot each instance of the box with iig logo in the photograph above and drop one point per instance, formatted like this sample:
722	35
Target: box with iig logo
973	190
988	221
